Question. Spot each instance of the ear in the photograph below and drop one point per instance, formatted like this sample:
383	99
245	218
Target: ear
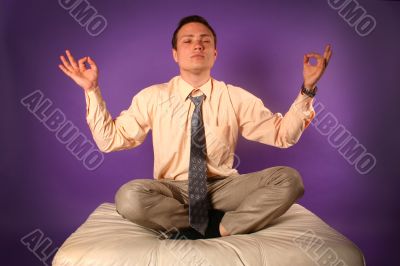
175	55
215	54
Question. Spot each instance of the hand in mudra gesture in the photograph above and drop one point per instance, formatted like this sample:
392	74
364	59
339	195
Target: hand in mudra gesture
312	73
87	78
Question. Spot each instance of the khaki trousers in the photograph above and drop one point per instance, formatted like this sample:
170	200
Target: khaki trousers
250	201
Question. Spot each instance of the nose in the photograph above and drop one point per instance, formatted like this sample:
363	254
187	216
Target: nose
198	46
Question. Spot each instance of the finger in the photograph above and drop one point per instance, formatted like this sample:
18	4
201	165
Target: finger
314	55
306	59
92	64
81	62
66	63
320	61
71	59
326	52
63	69
318	57
328	56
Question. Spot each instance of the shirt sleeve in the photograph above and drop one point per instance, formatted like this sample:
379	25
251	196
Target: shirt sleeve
256	122
128	130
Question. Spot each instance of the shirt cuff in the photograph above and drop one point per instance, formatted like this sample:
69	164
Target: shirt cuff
94	100
303	108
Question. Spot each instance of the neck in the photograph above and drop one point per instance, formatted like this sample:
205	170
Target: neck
196	79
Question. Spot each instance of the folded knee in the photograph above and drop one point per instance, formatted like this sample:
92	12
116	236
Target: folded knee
129	200
293	178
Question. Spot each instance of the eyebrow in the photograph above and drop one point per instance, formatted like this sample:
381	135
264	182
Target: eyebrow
201	35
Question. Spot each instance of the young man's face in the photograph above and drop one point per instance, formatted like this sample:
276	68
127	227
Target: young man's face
195	48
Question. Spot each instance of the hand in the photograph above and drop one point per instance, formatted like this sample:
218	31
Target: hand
85	78
312	73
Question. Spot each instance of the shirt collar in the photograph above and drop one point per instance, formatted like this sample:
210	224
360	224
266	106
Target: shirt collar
185	88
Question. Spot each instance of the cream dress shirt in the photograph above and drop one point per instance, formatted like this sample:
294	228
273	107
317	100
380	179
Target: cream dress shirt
166	110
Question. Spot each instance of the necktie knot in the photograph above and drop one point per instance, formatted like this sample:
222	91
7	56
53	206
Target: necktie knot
197	100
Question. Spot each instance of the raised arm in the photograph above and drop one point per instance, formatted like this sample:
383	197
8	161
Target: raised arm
258	123
126	131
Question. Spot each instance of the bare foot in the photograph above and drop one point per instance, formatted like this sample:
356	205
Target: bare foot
223	231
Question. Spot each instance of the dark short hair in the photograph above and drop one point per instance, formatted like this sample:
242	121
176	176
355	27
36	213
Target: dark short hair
190	19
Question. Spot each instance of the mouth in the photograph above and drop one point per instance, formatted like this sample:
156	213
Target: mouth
197	56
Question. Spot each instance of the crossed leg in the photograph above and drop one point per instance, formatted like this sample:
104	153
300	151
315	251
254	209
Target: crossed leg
250	201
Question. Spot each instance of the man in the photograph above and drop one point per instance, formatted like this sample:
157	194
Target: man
195	121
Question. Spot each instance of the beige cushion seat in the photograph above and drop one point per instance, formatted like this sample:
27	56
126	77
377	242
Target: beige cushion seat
298	237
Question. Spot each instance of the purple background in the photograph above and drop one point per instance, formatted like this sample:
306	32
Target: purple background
261	47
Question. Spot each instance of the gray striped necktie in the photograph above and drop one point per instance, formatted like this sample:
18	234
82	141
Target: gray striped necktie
198	200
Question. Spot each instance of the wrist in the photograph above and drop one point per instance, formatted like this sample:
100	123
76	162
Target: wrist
309	86
93	87
309	90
